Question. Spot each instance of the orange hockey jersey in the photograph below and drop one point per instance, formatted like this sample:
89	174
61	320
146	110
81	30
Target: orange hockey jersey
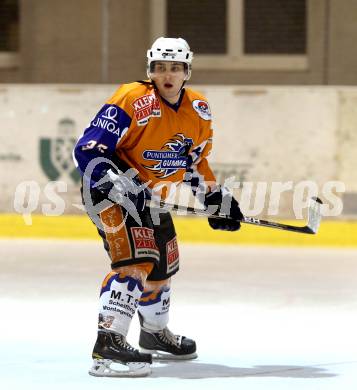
166	143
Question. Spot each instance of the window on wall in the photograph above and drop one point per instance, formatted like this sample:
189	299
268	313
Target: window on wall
9	32
237	34
275	26
209	35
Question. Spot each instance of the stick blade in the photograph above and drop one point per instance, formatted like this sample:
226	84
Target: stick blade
314	215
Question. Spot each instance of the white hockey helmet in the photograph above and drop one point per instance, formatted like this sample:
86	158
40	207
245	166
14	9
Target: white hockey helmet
170	49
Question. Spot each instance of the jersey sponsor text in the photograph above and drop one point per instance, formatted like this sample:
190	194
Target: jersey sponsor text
145	107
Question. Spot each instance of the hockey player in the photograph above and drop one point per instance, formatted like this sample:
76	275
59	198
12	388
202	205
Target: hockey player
163	131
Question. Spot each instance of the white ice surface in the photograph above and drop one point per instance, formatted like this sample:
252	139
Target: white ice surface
263	318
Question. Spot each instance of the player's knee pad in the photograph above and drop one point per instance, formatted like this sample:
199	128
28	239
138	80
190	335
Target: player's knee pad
154	305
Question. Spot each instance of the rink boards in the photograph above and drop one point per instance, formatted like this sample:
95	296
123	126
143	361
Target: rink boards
189	229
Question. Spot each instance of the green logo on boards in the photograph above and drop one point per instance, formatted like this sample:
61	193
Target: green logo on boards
56	153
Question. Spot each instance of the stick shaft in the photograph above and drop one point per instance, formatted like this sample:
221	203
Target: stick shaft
248	220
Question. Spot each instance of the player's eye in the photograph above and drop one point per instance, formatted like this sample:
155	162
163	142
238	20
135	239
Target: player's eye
160	68
176	68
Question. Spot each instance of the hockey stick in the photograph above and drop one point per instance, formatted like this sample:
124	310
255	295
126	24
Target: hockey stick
313	223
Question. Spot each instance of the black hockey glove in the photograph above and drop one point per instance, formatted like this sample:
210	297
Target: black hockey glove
219	202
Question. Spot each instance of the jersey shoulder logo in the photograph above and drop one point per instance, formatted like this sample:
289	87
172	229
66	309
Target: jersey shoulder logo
202	109
170	158
112	119
145	107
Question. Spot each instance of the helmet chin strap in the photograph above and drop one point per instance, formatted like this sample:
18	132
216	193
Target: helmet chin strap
183	84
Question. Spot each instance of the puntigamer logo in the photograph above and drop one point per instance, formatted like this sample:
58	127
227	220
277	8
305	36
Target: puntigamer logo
171	158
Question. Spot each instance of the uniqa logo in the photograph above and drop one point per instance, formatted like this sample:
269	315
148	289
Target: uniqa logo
56	153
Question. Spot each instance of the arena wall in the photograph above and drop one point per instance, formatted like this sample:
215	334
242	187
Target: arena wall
262	134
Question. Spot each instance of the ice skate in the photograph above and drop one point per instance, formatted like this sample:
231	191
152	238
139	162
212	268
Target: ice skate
111	348
164	345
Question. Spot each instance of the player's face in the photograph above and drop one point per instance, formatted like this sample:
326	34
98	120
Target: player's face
168	77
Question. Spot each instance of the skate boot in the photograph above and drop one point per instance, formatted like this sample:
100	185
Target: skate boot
164	345
113	348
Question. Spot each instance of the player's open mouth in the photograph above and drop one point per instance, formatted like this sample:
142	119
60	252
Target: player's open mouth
168	85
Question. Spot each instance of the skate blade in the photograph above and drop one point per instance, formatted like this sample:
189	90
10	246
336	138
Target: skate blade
161	355
102	368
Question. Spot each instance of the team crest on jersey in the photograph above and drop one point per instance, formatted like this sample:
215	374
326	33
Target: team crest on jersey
202	108
145	107
172	156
